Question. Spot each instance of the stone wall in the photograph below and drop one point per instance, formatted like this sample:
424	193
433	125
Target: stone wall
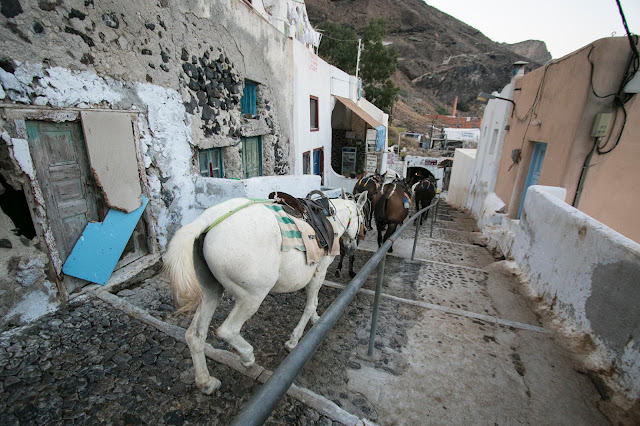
181	66
177	67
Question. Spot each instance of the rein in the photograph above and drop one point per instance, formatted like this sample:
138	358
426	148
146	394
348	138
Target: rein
237	209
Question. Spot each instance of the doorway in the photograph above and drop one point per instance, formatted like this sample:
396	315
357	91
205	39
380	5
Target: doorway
535	167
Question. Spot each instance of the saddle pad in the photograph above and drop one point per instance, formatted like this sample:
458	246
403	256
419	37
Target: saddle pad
299	235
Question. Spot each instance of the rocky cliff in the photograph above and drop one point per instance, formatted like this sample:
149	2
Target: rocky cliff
440	57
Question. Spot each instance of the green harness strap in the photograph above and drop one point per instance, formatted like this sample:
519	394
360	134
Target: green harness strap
237	209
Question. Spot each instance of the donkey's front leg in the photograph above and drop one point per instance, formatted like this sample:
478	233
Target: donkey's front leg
312	303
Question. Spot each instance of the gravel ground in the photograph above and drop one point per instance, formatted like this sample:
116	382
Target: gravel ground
91	364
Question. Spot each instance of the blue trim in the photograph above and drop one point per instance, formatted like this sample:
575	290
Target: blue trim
534	170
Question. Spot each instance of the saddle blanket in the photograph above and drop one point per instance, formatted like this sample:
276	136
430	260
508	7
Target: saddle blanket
299	235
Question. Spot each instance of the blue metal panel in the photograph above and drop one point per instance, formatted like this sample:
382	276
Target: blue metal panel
534	170
95	255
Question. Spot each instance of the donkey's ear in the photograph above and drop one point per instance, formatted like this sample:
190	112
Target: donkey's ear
362	199
342	195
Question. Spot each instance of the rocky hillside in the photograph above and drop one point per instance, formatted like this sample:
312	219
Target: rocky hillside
440	57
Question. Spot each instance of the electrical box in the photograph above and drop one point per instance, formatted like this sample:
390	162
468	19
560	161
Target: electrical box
601	124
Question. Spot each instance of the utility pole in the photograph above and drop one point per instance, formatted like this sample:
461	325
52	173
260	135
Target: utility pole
358	60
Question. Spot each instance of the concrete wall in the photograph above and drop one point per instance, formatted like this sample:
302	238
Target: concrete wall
556	105
463	164
483	180
587	275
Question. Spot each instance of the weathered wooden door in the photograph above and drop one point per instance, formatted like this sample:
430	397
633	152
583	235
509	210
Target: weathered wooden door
62	168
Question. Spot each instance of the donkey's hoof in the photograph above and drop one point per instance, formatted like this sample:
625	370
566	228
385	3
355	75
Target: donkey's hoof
352	274
210	386
290	345
249	361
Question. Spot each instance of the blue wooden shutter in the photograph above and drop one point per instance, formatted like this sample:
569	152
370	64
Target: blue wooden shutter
248	100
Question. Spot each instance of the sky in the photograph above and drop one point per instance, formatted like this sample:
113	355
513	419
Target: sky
564	25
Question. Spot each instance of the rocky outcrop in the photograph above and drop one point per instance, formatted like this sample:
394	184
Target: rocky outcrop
534	50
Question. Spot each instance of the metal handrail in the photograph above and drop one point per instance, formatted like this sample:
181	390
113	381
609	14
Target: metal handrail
259	407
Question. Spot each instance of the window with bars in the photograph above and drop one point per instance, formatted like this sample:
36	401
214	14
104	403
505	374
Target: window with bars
211	162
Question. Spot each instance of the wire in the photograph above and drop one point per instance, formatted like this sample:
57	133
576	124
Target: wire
336	39
634	48
600	148
593	90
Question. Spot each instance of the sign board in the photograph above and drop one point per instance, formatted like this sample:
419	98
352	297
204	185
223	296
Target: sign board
372	135
372	163
391	158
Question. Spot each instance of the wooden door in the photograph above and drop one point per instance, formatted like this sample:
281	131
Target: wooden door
62	167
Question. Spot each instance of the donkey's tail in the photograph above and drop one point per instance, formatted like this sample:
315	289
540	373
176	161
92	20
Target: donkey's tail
179	266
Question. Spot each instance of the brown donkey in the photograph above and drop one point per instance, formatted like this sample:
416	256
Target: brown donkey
390	208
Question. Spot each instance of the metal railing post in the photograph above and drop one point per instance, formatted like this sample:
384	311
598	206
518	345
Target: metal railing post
415	238
434	218
376	305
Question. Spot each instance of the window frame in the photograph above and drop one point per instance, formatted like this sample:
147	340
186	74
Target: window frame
317	120
210	170
306	163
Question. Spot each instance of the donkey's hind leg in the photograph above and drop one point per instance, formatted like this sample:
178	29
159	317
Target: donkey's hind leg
310	309
245	306
197	334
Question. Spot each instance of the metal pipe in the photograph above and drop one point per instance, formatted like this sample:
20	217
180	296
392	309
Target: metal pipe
376	305
583	174
259	407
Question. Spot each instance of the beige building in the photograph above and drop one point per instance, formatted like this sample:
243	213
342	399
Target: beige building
549	137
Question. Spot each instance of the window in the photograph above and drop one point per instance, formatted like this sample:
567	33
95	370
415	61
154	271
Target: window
252	157
211	162
306	158
493	141
318	163
248	100
313	113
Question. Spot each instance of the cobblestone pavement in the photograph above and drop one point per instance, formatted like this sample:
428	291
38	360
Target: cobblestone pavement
441	356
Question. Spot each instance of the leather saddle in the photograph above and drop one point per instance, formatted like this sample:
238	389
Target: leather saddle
313	211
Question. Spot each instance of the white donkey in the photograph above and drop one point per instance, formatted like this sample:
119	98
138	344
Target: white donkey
243	256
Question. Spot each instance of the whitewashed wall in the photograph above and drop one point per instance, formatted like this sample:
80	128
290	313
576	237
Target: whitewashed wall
587	274
463	163
483	180
311	77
